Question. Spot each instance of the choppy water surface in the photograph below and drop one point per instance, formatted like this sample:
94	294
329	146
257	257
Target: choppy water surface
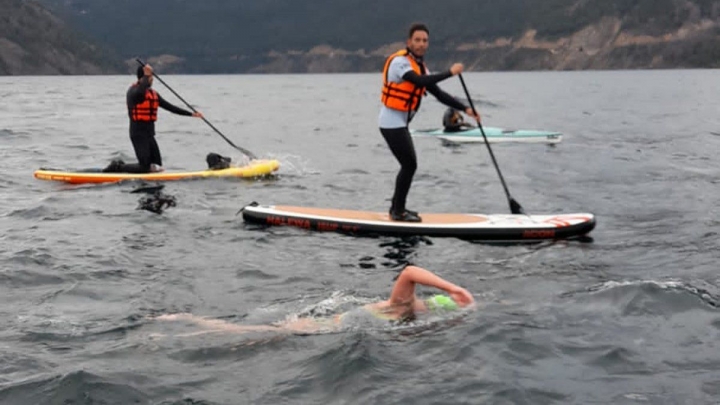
630	318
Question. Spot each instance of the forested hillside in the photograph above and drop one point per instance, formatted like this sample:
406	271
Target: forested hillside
354	35
33	41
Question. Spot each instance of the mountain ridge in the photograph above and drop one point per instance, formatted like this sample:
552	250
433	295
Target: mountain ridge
324	36
33	41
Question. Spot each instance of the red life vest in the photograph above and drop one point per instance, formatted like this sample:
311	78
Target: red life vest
147	110
403	96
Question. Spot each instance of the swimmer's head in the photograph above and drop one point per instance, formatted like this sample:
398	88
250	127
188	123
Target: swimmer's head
441	302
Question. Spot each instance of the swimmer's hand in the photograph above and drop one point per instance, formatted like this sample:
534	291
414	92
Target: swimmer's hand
461	296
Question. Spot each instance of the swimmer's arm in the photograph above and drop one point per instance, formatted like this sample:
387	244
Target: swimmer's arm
412	275
404	289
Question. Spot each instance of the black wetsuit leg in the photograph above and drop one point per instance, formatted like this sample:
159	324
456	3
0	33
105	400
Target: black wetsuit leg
155	156
401	145
146	151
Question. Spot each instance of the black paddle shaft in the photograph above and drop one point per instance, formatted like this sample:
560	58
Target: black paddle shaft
515	207
243	150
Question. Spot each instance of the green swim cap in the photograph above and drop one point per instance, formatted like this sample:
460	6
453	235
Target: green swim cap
441	302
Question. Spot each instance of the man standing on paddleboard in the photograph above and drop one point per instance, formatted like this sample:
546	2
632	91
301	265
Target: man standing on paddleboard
405	81
142	104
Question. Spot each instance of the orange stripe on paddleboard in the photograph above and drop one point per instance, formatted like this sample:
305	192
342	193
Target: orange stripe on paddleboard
378	216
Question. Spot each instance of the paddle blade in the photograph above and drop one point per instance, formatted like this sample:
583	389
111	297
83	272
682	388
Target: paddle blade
515	207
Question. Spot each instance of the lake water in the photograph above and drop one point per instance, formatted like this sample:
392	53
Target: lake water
630	318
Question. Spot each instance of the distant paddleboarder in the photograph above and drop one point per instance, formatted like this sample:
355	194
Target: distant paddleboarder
453	121
402	306
405	81
142	104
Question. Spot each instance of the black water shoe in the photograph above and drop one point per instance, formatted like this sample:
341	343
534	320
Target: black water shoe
405	216
406	210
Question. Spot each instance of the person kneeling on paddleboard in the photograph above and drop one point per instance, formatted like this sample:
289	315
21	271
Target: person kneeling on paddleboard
453	121
402	306
142	104
405	81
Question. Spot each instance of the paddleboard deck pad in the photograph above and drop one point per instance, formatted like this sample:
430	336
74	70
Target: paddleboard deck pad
493	227
494	135
255	168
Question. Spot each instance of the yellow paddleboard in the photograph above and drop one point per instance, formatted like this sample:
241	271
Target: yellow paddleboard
255	168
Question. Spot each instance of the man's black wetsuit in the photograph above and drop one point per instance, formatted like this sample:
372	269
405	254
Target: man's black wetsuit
142	126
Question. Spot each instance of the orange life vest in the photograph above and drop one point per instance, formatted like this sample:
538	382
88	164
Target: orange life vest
147	110
403	96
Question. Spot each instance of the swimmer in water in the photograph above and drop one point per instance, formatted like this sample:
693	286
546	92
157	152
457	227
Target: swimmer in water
402	306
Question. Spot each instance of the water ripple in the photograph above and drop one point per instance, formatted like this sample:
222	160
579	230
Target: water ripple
629	317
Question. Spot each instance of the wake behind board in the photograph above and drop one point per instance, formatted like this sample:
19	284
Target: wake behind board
255	168
494	135
493	227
